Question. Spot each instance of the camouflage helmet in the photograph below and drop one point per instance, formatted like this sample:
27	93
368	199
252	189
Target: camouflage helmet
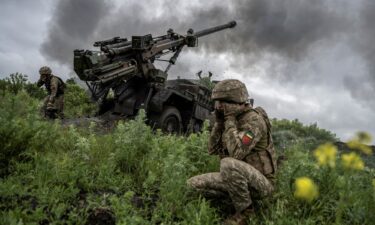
230	90
45	70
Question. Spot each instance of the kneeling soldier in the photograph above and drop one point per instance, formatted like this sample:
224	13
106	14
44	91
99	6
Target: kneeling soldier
241	136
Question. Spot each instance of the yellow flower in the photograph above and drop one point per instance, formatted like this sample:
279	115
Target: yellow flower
356	145
326	155
352	161
361	142
306	189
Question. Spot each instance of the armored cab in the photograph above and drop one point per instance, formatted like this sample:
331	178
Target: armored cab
181	106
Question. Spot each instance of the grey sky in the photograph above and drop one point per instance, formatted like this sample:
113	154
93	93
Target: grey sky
306	59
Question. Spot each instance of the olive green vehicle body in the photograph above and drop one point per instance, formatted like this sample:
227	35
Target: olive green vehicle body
126	69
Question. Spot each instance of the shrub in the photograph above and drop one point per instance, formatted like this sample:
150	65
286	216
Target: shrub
286	132
53	173
77	102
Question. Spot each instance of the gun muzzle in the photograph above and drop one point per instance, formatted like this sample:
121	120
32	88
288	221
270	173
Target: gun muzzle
211	30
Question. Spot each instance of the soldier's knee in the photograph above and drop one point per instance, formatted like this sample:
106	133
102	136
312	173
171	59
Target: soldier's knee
227	167
227	164
193	182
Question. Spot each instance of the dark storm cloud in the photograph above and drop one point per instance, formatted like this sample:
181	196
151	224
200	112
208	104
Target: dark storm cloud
289	29
73	22
363	88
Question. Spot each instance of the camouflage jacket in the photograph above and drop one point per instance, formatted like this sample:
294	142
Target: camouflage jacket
246	137
55	86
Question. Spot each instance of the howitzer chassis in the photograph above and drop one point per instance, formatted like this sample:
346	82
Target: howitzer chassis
179	106
127	68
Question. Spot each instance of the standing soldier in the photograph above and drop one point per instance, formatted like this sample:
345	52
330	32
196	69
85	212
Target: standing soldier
53	104
241	136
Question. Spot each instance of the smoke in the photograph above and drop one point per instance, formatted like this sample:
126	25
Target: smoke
289	34
72	24
286	27
363	87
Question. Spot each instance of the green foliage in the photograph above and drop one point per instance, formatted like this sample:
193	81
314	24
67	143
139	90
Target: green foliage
34	91
65	175
17	82
77	102
289	132
70	172
342	194
70	81
19	127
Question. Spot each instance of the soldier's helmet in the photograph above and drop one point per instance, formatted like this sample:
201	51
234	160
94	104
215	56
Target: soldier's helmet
45	70
230	90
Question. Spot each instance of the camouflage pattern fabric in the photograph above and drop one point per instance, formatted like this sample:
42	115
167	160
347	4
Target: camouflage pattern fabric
57	107
215	145
54	102
231	90
237	179
244	142
245	137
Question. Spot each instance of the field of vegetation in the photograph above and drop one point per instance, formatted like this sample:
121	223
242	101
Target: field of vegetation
56	174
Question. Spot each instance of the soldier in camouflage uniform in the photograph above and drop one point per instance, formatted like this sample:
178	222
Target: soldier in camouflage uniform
241	136
53	104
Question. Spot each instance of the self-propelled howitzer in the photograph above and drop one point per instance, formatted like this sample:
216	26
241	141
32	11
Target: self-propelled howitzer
127	67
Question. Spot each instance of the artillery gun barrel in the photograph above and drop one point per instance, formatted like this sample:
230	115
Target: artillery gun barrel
119	51
123	72
121	47
215	29
107	48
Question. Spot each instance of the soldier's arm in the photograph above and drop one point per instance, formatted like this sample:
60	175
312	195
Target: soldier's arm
54	87
39	83
240	142
214	142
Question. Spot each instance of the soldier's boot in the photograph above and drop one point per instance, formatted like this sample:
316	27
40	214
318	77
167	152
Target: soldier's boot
51	113
240	218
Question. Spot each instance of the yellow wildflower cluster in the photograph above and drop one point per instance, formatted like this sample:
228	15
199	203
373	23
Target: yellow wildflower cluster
361	142
326	155
306	189
352	161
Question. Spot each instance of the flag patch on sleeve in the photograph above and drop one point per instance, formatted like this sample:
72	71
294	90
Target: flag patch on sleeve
247	138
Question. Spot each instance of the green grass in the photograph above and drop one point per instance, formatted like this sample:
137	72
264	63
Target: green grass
65	175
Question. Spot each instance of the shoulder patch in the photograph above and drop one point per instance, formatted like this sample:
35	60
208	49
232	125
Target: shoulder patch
247	138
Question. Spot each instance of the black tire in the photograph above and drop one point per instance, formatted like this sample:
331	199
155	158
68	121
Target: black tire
170	121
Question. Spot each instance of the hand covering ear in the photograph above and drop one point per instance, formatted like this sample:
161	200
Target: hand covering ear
232	109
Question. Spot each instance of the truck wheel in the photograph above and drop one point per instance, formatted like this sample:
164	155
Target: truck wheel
170	121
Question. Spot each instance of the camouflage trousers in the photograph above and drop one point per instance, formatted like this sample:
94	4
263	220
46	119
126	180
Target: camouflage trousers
237	178
58	106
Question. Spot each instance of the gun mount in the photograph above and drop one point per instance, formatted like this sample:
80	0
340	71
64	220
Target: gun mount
127	68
